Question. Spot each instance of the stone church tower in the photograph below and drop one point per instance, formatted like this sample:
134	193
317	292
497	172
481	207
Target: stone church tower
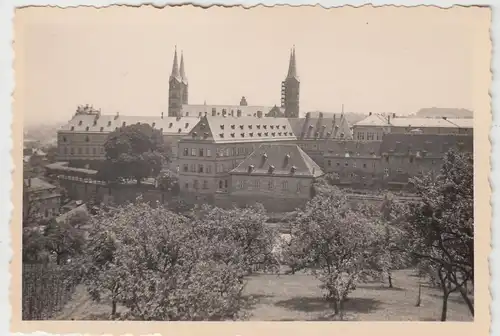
290	89
178	88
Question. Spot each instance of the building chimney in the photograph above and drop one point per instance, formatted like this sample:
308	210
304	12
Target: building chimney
394	115
370	114
243	101
214	113
161	115
259	114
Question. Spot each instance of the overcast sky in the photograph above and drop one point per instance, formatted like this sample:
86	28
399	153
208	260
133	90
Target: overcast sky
371	60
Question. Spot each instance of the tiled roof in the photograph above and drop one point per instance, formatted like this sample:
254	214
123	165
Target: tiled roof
352	148
381	120
433	144
37	184
278	160
108	123
243	129
321	128
246	111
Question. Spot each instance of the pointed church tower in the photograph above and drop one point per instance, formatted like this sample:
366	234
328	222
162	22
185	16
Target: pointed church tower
175	90
290	89
184	82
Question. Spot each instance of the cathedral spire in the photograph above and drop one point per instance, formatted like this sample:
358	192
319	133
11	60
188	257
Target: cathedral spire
175	67
292	67
183	73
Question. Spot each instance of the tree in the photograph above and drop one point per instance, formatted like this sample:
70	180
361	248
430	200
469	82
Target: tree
134	151
441	226
336	243
241	236
65	238
168	182
152	262
387	256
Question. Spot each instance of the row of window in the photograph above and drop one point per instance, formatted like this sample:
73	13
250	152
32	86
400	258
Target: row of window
369	136
223	184
82	150
346	164
271	184
207	168
221	152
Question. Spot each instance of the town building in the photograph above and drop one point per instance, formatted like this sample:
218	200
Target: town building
375	126
216	145
279	176
390	162
41	200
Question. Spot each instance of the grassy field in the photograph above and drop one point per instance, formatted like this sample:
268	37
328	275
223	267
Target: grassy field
298	298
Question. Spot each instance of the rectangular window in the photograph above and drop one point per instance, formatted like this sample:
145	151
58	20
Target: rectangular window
346	164
299	186
354	165
370	136
200	152
205	184
102	150
195	184
227	152
329	163
94	151
87	150
200	168
270	184
233	151
193	151
209	152
240	184
186	152
226	183
79	150
364	165
193	168
257	183
185	168
284	185
209	169
361	136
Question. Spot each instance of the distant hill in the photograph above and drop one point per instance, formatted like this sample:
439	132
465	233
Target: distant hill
440	112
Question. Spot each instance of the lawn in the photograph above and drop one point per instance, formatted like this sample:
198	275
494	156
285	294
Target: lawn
298	298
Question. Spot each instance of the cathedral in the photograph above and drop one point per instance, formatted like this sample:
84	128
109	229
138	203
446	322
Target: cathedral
178	96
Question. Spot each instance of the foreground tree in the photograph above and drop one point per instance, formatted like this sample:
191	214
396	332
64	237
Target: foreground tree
441	226
336	242
240	236
133	152
149	260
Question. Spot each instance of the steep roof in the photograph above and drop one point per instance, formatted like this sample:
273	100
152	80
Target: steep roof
37	184
278	160
246	110
322	128
243	129
433	144
108	123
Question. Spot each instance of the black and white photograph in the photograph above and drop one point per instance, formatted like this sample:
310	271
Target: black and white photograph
253	164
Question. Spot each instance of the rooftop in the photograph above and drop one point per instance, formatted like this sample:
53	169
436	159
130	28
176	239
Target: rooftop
280	160
433	144
398	121
37	184
229	110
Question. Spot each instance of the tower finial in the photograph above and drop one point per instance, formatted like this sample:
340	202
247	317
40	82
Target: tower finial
292	67
175	66
182	71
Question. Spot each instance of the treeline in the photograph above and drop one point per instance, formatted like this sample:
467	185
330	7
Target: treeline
161	264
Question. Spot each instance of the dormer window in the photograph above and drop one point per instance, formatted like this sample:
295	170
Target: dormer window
273	134
258	126
221	135
179	130
194	135
242	135
250	168
205	135
266	134
284	126
102	129
153	124
72	128
285	133
232	135
87	128
232	126
293	169
186	126
109	123
271	169
241	126
221	126
271	126
265	126
264	156
259	134
251	134
279	133
95	122
250	126
80	123
123	124
170	125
